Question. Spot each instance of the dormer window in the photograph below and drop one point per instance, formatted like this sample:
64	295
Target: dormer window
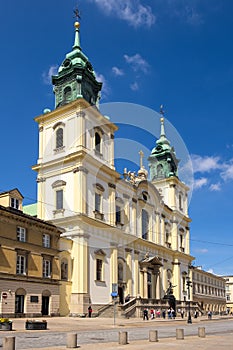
14	203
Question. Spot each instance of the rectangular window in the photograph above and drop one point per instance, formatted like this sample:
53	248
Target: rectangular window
21	234
118	214
59	199
46	240
46	268
97	202
14	203
145	224
99	269
21	265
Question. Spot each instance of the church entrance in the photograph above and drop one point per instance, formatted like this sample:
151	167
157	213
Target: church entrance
121	295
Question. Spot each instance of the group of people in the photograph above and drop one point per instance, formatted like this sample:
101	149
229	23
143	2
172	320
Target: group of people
152	313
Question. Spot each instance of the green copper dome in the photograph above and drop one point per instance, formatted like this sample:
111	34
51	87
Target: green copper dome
76	77
162	160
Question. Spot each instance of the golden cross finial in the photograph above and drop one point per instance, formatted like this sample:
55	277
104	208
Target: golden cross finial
141	158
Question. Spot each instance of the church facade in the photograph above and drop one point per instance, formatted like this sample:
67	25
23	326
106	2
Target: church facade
127	234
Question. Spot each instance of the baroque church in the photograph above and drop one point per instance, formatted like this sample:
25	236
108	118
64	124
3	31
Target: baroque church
122	235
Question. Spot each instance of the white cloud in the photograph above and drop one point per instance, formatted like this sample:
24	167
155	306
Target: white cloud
134	86
48	75
215	187
201	250
117	71
132	11
227	173
137	63
105	91
199	183
205	164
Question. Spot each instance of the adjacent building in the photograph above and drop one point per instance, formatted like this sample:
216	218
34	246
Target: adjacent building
29	261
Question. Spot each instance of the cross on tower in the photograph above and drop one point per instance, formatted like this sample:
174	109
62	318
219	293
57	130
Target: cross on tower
77	13
141	158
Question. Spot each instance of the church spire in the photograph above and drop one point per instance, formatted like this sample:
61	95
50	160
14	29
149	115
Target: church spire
162	160
76	77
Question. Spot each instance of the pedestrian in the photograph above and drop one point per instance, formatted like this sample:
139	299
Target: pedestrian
145	314
164	314
182	313
209	315
152	314
89	311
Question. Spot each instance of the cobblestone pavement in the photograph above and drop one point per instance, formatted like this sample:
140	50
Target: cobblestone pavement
102	333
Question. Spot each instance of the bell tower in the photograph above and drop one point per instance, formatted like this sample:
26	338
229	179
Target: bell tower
76	77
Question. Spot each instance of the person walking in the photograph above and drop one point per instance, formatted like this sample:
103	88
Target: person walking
145	314
89	311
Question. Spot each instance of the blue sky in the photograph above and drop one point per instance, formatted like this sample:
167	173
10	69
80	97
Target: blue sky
178	53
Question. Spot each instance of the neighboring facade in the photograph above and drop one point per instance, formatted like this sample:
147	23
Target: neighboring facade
29	261
229	293
208	291
123	231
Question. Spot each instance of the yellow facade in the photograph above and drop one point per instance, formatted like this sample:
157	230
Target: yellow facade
29	262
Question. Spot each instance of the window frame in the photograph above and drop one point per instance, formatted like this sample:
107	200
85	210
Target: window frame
21	234
14	203
47	268
21	264
145	227
46	240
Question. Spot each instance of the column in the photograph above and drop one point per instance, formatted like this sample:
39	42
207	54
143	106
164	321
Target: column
145	290
174	235
41	143
162	229
157	228
136	274
129	270
80	277
176	278
80	190
81	130
112	204
113	264
41	203
187	240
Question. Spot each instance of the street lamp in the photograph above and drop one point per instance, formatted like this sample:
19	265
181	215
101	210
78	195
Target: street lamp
189	285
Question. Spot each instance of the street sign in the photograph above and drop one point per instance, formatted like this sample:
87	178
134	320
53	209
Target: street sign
4	295
114	294
114	288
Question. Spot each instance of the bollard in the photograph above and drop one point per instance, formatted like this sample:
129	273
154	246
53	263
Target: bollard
201	332
71	340
123	338
153	335
179	333
9	343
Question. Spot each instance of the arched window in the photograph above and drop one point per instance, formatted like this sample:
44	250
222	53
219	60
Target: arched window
160	170
67	93
59	138
145	224
97	142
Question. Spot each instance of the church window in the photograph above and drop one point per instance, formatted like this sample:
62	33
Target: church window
59	138
98	201
98	204
145	224
180	201
59	199
118	214
97	142
160	170
99	270
67	93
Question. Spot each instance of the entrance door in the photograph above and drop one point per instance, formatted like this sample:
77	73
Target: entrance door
45	305
121	295
19	304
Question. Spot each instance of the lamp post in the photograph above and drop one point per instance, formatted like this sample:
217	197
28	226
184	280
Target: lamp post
189	285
